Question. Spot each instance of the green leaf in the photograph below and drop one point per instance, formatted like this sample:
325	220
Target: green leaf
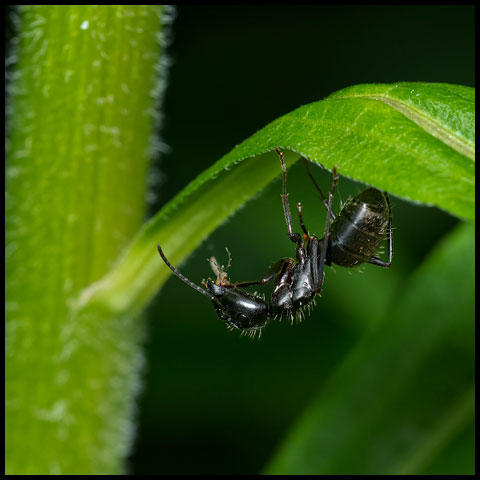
445	111
406	394
81	114
367	138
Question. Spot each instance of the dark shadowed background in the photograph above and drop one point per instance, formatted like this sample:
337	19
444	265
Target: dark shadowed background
214	402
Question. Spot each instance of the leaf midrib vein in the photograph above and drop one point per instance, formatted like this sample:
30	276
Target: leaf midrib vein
434	128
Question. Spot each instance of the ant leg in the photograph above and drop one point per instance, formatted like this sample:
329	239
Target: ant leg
322	196
277	267
294	237
378	261
321	263
300	217
389	233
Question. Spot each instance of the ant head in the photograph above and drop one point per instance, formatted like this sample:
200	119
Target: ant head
240	310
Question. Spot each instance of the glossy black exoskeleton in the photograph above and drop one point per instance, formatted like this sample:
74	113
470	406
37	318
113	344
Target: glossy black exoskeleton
352	238
358	230
296	283
240	310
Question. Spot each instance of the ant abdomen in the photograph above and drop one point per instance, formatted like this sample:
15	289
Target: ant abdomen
359	229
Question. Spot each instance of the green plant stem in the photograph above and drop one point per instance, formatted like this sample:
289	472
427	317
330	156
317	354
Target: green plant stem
81	116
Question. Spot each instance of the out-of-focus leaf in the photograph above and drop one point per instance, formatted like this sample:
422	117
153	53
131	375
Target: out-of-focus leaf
406	394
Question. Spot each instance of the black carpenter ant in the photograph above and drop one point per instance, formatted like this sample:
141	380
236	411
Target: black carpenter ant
296	282
240	310
359	229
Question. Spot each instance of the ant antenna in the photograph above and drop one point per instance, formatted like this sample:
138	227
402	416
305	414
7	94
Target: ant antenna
184	279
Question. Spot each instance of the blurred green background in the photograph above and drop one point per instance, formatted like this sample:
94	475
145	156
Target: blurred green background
214	402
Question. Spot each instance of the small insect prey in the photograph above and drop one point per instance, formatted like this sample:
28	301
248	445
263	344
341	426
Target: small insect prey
296	282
